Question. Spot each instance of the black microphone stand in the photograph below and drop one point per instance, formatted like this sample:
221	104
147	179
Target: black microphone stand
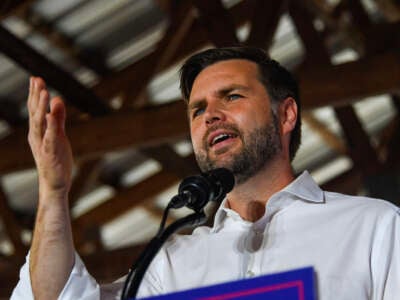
139	268
194	192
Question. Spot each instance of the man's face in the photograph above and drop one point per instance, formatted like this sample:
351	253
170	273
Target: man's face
231	121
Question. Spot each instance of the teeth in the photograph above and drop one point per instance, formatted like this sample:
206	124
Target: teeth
220	137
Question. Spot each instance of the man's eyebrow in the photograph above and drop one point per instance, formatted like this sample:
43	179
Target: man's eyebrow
196	104
220	93
234	87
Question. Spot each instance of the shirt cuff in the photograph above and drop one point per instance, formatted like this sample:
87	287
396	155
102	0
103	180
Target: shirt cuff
23	289
80	284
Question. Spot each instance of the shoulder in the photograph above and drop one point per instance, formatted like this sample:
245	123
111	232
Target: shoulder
361	204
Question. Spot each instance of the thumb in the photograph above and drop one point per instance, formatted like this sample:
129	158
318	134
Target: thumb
58	111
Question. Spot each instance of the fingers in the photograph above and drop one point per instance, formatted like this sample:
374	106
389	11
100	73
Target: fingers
37	117
40	120
55	119
51	133
35	87
57	110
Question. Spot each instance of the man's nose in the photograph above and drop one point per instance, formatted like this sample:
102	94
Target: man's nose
213	114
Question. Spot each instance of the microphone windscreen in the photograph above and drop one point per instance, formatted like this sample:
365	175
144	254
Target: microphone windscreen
222	177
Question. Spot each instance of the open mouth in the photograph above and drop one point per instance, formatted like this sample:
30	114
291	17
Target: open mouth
221	137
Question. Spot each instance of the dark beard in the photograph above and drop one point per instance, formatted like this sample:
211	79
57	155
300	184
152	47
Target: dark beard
259	147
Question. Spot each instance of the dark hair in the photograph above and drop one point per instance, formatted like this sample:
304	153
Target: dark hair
278	81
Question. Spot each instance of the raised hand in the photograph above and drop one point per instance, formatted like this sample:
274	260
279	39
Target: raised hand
52	251
49	144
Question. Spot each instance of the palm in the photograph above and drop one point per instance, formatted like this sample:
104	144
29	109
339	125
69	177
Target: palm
49	144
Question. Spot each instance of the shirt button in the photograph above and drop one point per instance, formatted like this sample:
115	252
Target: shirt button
250	273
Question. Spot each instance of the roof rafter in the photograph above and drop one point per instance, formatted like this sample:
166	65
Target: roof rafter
125	200
96	136
111	85
12	227
182	18
359	146
265	20
351	81
65	83
316	52
335	85
217	21
92	58
171	161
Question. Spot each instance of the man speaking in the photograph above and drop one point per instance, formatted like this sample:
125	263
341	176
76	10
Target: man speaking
244	114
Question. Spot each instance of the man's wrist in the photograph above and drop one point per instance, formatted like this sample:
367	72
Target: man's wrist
53	195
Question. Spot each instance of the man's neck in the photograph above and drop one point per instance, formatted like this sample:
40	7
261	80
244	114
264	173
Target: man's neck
250	198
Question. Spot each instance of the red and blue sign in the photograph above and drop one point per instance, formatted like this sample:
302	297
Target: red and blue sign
292	285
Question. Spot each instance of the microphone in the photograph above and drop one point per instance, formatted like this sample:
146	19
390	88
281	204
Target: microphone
196	191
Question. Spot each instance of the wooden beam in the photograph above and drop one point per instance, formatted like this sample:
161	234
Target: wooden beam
9	269
125	200
10	111
128	198
182	18
359	146
113	84
86	174
349	182
113	170
371	40
265	20
386	137
35	63
359	14
382	37
172	161
348	82
393	146
336	85
330	138
13	6
390	9
217	21
316	52
157	212
338	32
11	225
91	58
122	259
103	134
87	239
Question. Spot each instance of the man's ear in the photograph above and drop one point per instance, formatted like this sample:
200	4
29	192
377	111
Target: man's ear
288	115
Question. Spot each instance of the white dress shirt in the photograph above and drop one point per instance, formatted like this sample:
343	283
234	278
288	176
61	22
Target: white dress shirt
352	242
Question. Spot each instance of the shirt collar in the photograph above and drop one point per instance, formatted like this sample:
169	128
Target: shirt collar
302	188
305	188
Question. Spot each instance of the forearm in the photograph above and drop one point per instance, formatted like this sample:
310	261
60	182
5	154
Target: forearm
52	251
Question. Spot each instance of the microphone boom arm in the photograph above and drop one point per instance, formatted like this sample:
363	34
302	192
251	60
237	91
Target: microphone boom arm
139	268
194	192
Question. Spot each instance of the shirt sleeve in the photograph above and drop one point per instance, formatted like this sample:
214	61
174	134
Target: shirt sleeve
385	258
23	289
80	284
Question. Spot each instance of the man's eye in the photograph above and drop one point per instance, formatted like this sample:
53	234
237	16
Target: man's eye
234	96
197	112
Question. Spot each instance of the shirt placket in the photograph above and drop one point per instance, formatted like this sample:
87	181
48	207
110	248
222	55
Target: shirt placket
255	256
260	230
